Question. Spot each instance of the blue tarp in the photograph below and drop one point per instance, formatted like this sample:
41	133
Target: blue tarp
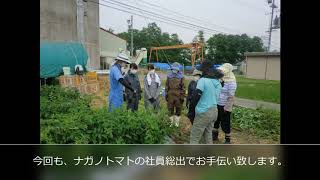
165	66
56	55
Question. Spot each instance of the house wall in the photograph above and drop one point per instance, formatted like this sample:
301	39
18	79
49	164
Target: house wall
110	45
263	67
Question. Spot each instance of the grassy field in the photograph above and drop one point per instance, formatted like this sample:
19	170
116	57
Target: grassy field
263	90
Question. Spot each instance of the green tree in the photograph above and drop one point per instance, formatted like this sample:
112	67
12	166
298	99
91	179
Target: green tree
231	48
152	36
201	36
195	39
136	39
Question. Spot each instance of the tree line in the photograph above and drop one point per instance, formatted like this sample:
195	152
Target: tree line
219	48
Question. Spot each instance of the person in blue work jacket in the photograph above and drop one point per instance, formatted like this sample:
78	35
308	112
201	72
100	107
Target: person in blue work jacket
117	82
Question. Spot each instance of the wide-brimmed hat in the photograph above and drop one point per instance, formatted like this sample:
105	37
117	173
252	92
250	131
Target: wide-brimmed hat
207	69
226	67
227	71
123	57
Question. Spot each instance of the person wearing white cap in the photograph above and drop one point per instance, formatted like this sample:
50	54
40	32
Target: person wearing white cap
117	82
225	103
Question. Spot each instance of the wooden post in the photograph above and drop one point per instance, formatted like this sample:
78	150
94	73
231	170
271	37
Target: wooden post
157	55
191	59
197	52
150	55
183	68
202	54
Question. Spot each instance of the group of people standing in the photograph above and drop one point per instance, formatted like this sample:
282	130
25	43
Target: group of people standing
209	99
174	88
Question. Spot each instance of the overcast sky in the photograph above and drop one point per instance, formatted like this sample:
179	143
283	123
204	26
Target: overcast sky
228	16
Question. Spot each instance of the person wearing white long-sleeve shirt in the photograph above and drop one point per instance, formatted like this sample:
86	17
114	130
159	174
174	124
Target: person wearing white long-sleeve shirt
225	103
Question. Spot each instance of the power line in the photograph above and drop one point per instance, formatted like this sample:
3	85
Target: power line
175	24
190	25
196	19
159	45
250	6
137	15
147	17
162	17
185	16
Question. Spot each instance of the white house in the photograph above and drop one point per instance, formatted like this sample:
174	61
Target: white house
110	45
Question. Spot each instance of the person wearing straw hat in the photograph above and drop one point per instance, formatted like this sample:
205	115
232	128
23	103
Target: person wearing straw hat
225	103
175	93
191	90
117	82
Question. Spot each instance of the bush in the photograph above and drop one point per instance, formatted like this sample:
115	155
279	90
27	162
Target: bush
261	122
66	117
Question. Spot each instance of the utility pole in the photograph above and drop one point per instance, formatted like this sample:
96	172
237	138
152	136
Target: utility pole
270	28
80	21
273	6
131	35
130	27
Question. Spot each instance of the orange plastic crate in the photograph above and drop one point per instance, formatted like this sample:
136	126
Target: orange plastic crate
92	76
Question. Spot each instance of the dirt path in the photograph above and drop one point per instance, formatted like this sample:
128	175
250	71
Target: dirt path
237	136
253	104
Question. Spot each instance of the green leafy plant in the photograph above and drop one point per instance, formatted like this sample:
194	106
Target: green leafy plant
66	117
261	122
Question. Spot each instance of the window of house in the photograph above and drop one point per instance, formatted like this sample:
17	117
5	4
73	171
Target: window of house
103	63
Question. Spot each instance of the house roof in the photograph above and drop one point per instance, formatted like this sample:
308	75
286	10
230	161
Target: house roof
112	33
262	54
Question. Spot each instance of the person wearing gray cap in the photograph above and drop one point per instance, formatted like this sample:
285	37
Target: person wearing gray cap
175	93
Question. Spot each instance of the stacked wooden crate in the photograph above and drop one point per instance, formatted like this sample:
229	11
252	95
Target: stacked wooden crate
69	81
87	84
92	83
104	83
